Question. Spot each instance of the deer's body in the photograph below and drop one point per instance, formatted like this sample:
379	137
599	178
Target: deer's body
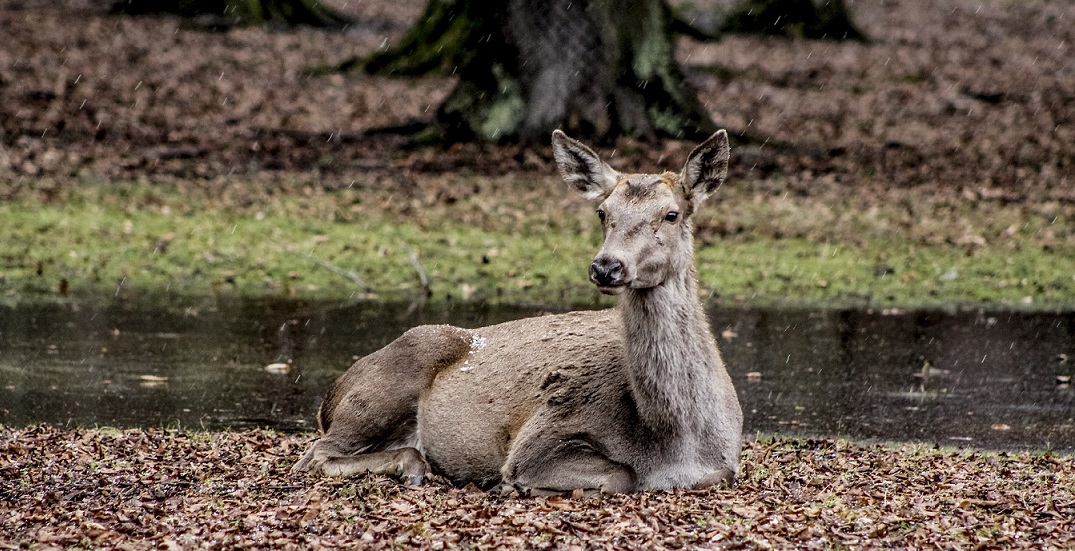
620	400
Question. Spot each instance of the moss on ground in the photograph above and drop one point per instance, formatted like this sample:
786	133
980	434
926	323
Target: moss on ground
517	241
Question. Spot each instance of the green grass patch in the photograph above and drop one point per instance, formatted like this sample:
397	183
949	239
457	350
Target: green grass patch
78	249
911	275
161	240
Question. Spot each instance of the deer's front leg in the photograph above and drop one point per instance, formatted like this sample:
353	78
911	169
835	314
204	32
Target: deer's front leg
564	466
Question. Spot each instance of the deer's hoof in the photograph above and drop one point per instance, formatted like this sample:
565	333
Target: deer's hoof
724	477
505	489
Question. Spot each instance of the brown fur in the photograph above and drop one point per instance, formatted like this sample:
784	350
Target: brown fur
611	401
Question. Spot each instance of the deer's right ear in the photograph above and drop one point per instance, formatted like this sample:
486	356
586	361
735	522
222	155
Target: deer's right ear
581	168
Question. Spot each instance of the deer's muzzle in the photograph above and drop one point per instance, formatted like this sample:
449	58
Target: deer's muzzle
607	273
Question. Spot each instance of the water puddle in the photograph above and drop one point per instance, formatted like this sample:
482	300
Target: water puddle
986	380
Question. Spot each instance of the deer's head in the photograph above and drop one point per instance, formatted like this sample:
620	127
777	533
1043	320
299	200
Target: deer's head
646	217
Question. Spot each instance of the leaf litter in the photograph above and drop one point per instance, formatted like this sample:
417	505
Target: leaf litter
961	95
177	489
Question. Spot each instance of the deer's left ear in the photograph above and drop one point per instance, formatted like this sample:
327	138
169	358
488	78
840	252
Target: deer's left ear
706	167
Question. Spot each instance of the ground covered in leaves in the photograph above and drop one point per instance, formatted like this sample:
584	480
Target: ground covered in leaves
164	489
929	166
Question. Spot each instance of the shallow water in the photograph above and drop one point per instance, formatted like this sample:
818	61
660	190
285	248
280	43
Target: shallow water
984	380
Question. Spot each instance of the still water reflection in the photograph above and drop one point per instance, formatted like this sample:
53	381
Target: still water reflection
988	380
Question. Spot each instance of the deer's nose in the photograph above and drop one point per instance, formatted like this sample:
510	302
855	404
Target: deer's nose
606	271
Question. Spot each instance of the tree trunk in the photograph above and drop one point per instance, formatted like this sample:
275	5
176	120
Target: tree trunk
596	68
226	13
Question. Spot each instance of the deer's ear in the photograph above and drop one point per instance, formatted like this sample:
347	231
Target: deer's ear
581	168
706	167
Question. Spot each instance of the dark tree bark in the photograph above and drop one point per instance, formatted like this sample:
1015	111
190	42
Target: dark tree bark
827	19
226	13
597	68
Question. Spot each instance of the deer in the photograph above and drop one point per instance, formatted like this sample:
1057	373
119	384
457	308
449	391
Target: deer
620	400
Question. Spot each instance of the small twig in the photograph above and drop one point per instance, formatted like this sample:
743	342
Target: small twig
285	487
339	271
413	256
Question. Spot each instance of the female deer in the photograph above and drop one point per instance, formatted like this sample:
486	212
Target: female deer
620	400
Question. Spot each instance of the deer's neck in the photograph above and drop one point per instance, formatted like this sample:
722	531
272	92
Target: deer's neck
673	357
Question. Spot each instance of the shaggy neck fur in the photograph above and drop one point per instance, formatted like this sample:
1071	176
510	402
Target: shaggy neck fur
673	356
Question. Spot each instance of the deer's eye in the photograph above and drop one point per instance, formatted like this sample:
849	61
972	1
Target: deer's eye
601	214
672	216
